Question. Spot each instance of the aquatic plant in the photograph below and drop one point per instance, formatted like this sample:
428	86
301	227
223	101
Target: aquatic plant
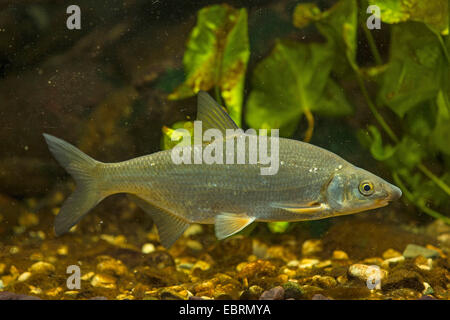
408	95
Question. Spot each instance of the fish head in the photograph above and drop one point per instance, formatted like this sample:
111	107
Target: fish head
353	189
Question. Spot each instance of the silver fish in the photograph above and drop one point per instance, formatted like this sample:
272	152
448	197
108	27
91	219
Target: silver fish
311	183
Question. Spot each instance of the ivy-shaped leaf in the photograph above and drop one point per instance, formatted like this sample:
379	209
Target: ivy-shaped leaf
294	77
416	68
433	13
441	133
377	149
172	137
216	56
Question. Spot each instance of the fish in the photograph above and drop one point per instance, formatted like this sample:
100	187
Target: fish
311	183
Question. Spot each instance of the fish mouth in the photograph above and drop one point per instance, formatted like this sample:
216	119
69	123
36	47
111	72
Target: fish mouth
394	193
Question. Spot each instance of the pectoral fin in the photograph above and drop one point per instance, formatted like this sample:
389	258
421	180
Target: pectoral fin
227	224
170	227
312	207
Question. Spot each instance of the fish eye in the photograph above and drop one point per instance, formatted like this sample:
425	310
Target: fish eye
366	188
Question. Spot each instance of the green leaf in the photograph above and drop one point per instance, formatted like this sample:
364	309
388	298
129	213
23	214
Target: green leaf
171	137
305	13
441	133
278	227
379	151
294	77
416	68
433	13
216	56
409	152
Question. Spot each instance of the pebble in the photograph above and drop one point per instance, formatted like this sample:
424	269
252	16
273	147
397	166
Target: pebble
308	263
276	293
148	248
324	282
1	284
312	247
252	293
112	267
42	267
413	250
428	289
402	279
364	272
71	293
5	295
24	276
392	262
54	292
319	296
292	290
88	276
63	250
202	265
194	245
390	253
323	264
339	255
423	263
291	264
193	230
373	261
103	281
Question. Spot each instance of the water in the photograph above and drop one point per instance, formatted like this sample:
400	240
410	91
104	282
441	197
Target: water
118	87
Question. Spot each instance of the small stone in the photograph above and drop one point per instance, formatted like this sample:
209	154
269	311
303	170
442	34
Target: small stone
42	267
324	282
103	281
323	264
291	264
194	245
24	276
88	276
71	293
256	269
292	290
193	230
342	279
35	290
2	286
124	296
423	263
148	248
276	293
364	272
339	255
308	263
312	247
373	261
54	292
413	250
202	265
252	293
5	295
63	250
391	253
112	267
392	262
171	295
289	272
428	289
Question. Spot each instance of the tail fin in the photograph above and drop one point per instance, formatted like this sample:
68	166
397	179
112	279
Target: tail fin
83	169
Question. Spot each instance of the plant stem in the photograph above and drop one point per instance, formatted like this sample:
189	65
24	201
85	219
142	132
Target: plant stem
373	46
435	179
310	118
420	203
444	48
373	108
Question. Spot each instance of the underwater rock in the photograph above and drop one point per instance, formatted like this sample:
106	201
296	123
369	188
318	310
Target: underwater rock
392	262
308	263
103	281
428	289
112	267
42	267
364	272
339	255
201	265
403	278
257	269
312	247
24	276
148	248
423	263
276	293
292	290
413	250
194	245
324	282
391	253
193	230
319	296
252	293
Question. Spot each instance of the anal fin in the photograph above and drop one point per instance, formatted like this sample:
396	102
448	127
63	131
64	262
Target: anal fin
170	227
227	224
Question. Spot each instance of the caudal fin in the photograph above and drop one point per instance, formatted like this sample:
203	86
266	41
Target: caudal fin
83	169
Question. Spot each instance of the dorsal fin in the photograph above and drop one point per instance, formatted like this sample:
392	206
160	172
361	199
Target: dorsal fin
170	227
212	114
